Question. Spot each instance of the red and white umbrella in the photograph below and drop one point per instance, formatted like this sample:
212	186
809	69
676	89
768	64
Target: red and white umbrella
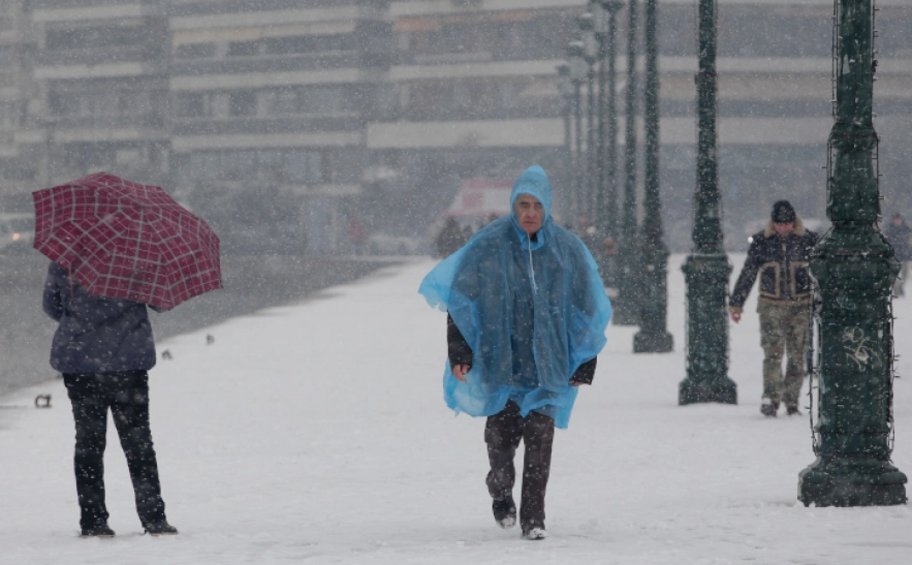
124	240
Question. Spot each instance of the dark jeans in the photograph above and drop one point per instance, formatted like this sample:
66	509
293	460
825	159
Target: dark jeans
127	395
502	434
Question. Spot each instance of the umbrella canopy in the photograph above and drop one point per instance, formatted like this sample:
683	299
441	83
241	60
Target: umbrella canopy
125	240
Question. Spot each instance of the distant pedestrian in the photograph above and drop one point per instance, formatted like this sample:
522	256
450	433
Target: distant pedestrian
899	235
104	348
450	238
779	255
357	235
527	314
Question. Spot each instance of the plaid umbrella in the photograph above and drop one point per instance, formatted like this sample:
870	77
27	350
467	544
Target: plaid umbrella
126	240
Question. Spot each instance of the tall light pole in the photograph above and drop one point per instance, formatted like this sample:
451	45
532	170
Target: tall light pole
605	15
626	311
706	269
855	268
600	28
565	89
653	336
577	75
586	23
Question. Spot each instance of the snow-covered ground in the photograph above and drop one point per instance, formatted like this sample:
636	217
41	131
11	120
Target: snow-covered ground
316	433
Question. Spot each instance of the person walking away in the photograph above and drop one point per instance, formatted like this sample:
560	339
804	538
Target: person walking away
526	319
104	349
450	238
779	255
899	235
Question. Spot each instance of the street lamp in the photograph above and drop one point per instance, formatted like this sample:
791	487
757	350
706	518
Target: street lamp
855	268
706	269
652	337
605	14
586	23
577	75
565	89
626	311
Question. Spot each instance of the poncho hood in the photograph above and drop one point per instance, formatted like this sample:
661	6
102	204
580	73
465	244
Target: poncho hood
532	311
533	181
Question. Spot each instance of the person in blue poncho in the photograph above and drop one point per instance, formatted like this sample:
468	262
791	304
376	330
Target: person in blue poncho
527	314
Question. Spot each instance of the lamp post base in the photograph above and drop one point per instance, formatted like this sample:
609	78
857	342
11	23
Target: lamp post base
707	380
721	389
653	342
853	482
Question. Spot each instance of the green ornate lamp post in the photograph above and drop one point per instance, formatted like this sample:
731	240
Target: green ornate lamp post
706	269
626	308
586	24
605	14
565	89
854	267
577	75
653	336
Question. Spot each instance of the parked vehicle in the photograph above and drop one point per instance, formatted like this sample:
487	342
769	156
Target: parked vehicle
17	232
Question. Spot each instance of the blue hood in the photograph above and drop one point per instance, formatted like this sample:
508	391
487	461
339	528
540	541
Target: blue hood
533	181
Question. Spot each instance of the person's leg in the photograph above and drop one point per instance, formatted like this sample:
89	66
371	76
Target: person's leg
502	434
797	339
130	408
772	340
538	437
90	415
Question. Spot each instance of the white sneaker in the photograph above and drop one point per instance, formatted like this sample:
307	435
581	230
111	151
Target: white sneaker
535	534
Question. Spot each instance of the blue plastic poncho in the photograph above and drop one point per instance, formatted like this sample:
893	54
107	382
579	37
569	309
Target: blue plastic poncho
532	310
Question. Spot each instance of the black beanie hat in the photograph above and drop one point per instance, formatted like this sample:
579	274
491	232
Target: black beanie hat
783	212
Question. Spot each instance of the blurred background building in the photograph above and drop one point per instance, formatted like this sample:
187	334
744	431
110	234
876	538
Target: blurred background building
350	125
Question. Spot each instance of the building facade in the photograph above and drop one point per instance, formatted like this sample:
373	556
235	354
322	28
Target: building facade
306	125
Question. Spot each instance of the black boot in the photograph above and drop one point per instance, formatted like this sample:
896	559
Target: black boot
98	531
160	528
504	512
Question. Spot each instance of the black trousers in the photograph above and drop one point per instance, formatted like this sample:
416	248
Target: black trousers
126	394
503	431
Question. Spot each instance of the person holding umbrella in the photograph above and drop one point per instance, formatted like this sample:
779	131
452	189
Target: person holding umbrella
117	247
104	349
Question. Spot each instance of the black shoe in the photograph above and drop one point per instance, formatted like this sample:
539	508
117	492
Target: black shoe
160	529
99	531
793	411
769	408
504	512
535	534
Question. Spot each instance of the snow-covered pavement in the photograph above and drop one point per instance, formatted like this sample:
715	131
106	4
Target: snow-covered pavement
316	433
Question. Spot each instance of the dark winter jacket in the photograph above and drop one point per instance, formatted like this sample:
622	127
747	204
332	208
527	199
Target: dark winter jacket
96	335
460	353
781	264
449	239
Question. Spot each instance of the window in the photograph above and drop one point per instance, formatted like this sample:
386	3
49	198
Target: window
195	51
304	166
242	48
242	103
273	165
189	105
89	37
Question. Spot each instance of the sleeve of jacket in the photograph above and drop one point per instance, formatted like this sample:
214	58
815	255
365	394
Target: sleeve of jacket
52	301
748	274
584	373
458	348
